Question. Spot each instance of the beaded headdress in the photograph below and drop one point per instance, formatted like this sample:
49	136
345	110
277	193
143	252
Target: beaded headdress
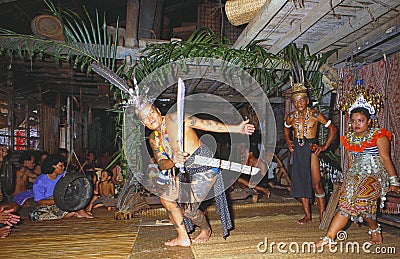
361	96
137	99
361	102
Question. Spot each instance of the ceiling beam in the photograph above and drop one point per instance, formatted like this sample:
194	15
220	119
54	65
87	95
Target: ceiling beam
368	41
270	9
7	1
214	87
366	16
388	51
312	17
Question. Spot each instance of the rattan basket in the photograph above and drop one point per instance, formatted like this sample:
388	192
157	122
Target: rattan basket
242	11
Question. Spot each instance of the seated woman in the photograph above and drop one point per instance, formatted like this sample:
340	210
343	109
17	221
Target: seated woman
43	189
106	193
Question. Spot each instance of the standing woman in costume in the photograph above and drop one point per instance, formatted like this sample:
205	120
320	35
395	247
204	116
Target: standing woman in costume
371	174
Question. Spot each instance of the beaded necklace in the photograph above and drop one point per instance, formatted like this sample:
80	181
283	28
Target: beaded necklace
355	140
305	124
160	137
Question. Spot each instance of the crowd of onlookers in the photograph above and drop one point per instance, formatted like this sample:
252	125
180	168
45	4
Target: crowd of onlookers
36	177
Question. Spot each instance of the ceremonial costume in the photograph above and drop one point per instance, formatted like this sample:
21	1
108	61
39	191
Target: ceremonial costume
196	183
366	179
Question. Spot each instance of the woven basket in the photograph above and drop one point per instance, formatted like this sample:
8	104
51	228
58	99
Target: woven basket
47	26
242	11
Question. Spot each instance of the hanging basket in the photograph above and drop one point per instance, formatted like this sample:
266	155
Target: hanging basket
240	12
48	27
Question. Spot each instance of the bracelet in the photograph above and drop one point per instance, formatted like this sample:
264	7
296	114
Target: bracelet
394	180
287	126
327	241
327	124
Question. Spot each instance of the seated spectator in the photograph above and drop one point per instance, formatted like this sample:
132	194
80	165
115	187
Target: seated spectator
104	160
71	167
8	218
250	157
24	178
276	171
90	162
43	189
117	178
106	193
42	156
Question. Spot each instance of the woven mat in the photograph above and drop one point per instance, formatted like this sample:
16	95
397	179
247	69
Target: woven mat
101	237
249	232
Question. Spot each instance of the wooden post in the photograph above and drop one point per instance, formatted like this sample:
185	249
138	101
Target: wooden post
158	17
132	22
329	213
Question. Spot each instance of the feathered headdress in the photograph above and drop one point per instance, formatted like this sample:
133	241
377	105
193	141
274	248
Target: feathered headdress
138	99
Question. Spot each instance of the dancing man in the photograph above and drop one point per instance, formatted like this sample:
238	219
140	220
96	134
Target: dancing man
164	142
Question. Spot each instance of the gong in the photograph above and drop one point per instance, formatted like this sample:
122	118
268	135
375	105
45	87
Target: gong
73	192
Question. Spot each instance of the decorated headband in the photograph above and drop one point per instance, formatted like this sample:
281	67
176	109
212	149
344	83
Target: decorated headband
361	102
137	99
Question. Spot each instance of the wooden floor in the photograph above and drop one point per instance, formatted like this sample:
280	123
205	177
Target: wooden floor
267	221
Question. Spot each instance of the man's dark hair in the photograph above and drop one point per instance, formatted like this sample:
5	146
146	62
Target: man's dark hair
110	173
62	151
47	167
25	156
361	110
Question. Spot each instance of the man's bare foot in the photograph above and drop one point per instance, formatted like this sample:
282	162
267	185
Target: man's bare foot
178	242
304	220
83	214
376	238
325	241
263	190
203	237
5	231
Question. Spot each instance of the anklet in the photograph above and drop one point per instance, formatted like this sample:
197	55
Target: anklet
327	240
375	231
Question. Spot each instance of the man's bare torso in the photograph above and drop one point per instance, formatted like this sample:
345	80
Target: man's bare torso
299	121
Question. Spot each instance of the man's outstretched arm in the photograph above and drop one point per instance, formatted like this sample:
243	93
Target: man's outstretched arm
210	125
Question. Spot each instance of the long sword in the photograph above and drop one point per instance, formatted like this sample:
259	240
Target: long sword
180	108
